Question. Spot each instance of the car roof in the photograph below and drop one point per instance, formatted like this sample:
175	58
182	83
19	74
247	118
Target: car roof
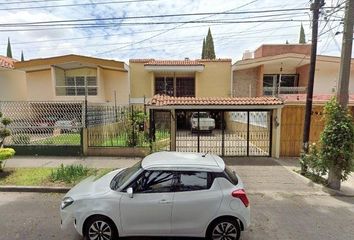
183	161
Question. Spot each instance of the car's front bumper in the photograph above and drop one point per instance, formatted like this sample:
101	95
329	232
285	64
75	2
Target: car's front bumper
68	220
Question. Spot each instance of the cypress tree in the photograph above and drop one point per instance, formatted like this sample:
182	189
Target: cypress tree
209	46
22	57
203	50
9	52
302	38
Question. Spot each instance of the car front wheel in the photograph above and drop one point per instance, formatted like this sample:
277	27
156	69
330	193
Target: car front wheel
224	229
100	228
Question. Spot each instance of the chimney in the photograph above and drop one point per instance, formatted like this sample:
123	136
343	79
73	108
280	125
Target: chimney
247	55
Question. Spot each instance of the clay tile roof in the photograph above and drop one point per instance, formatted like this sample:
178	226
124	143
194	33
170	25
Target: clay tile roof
163	100
6	62
215	60
141	60
174	63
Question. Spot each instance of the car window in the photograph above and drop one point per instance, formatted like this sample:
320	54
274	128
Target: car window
124	175
193	181
154	182
231	175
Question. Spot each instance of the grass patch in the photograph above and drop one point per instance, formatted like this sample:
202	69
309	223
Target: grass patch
62	139
44	176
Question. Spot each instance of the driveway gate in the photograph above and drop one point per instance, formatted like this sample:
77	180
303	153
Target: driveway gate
236	133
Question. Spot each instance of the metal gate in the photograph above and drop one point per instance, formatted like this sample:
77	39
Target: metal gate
236	133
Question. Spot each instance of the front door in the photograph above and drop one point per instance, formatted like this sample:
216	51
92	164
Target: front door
148	212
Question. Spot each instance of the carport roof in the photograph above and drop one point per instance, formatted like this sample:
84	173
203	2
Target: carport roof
168	102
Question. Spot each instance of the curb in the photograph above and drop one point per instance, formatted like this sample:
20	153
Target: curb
309	182
36	189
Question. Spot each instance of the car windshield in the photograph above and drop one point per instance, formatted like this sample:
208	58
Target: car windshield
201	115
124	175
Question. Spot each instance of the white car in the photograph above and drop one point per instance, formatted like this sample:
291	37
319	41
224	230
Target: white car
206	123
165	194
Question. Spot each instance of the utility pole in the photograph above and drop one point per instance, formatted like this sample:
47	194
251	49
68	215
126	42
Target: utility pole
315	8
344	75
346	55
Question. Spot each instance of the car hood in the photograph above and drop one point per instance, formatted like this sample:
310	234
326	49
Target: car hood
92	185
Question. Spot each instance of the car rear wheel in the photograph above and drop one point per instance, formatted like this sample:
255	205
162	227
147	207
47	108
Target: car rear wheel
224	229
100	228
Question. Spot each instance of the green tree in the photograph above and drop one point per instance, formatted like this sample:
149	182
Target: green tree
22	57
287	42
302	38
9	51
337	143
334	154
209	47
203	50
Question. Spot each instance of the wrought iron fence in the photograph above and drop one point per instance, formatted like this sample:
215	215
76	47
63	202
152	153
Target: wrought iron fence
44	123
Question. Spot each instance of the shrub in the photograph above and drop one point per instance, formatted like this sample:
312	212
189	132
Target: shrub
336	152
69	173
5	153
337	140
4	131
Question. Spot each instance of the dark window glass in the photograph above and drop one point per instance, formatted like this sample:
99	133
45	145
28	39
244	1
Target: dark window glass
164	86
268	80
231	175
80	81
185	87
288	81
193	181
153	182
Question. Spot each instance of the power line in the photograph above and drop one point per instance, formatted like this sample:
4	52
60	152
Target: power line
75	5
160	16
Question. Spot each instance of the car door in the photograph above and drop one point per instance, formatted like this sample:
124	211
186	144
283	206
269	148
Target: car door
148	212
197	199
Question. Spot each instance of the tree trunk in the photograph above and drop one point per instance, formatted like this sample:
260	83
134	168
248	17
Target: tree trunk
333	178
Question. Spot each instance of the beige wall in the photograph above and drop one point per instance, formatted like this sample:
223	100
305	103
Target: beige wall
39	85
245	82
116	81
12	85
214	80
141	81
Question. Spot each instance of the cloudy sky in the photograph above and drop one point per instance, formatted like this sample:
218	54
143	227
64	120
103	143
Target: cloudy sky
112	33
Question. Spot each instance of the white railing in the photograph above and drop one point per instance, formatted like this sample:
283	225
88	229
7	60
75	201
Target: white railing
272	91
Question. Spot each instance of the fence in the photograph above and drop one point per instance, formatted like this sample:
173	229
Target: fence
41	126
122	126
56	128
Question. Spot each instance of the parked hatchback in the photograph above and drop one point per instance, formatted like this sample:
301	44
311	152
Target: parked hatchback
165	194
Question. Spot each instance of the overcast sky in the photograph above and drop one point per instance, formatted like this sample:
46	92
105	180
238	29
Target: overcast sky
161	41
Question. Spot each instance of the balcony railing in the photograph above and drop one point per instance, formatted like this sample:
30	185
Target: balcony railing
273	91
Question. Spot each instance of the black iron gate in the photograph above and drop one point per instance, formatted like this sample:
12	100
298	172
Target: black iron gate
236	133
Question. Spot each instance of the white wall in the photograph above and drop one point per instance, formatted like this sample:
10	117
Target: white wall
326	78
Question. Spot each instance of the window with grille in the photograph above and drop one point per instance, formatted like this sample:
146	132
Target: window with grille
185	86
75	86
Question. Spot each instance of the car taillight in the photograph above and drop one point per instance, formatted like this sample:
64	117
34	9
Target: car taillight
241	194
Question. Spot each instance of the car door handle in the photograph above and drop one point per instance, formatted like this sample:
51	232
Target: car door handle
164	201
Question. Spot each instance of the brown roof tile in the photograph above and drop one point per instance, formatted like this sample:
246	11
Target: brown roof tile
6	62
174	63
163	100
185	62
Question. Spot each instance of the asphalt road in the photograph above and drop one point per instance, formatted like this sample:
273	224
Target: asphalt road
35	216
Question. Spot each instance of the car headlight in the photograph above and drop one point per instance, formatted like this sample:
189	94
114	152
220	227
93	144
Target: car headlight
66	202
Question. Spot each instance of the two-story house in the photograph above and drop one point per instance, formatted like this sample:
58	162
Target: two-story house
283	70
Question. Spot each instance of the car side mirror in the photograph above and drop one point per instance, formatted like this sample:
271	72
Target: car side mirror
130	192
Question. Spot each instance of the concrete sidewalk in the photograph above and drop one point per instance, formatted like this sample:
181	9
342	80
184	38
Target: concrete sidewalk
51	162
293	164
259	174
